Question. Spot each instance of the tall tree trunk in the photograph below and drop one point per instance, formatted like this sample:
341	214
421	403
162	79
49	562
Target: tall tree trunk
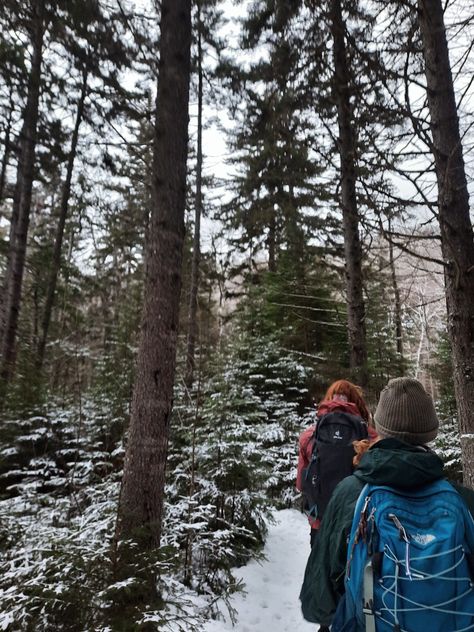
63	211
271	243
397	306
141	501
193	294
457	240
6	150
350	215
22	201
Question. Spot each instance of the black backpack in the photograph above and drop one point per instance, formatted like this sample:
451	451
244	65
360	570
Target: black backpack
331	459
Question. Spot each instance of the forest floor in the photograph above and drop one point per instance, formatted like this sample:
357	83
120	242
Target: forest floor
270	601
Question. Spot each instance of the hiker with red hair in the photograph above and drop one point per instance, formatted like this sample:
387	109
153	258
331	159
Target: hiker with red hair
341	396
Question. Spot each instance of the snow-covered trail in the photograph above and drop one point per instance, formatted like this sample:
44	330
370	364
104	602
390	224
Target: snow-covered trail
272	586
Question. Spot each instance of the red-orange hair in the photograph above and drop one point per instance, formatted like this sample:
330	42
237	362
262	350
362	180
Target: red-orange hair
361	447
353	394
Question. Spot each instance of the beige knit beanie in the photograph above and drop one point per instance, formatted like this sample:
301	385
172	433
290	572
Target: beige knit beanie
406	411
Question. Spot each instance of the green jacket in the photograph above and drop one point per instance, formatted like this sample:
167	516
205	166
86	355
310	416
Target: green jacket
388	462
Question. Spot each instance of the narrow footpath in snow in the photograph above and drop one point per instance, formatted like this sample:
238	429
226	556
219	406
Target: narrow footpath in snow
270	602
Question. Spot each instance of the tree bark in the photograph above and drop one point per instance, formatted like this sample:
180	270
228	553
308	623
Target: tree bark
22	201
193	295
271	243
6	151
350	214
63	211
397	306
141	501
457	240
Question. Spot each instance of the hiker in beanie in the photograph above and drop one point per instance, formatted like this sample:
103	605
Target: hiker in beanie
342	396
405	420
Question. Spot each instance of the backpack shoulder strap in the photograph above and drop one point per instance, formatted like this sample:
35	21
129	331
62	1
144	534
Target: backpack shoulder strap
312	436
356	517
467	495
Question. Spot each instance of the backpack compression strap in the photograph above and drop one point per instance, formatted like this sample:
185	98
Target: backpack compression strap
368	586
368	608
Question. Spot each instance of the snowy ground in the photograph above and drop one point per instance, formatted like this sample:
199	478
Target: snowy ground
272	586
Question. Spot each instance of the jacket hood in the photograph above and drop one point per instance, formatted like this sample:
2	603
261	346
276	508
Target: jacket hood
329	406
393	462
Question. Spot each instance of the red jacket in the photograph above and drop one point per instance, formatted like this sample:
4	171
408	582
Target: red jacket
306	442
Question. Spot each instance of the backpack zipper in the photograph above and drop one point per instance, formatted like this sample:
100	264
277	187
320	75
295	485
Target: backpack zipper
405	538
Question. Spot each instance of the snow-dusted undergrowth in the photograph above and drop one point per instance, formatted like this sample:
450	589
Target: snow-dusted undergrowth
230	462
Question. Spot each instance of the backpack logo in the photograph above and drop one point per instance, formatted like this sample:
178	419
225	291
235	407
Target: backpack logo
423	538
337	435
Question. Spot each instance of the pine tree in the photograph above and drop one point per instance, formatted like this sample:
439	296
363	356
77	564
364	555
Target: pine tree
82	39
100	43
274	204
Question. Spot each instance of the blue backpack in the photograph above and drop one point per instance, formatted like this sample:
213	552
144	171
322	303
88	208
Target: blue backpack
410	563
